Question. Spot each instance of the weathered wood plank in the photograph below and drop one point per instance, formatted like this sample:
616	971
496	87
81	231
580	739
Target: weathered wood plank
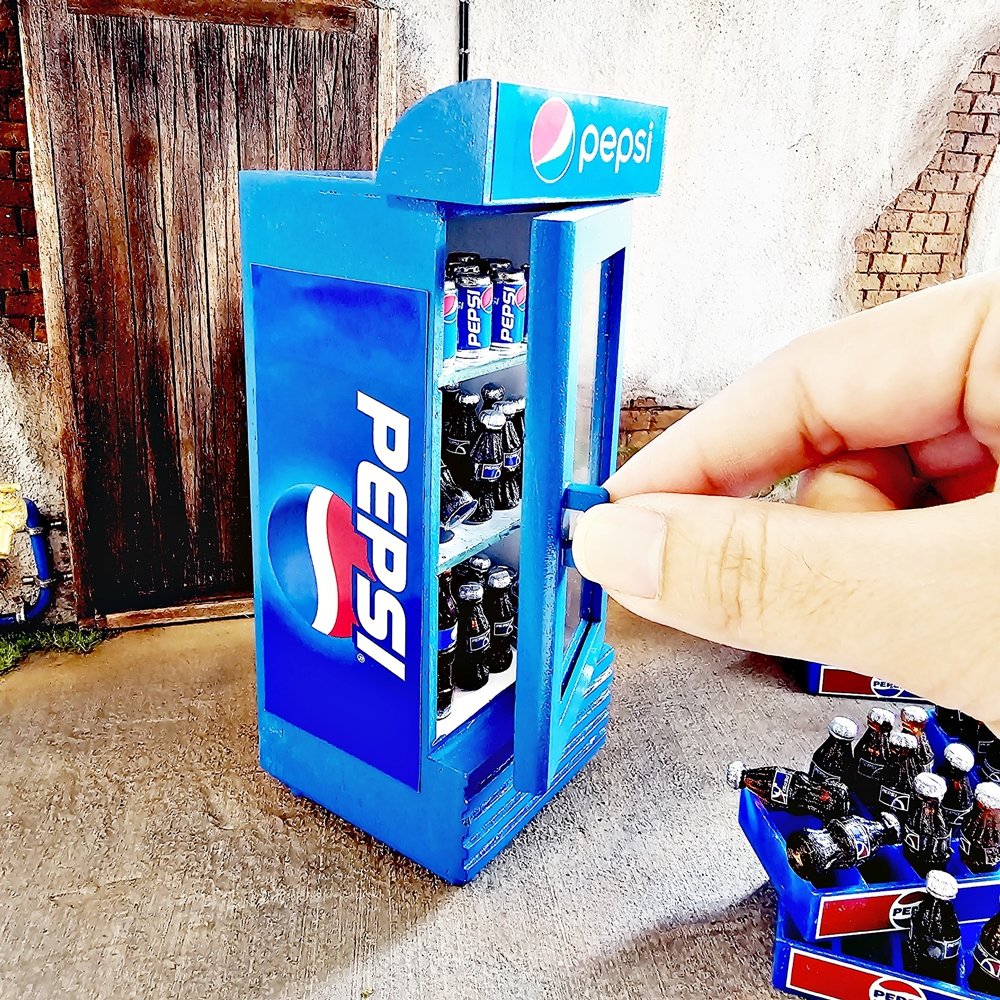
181	614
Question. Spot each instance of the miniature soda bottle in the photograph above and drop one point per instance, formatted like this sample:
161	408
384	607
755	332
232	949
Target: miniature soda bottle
460	435
933	945
487	461
518	402
473	570
980	840
926	831
985	974
447	645
896	793
492	394
871	755
834	760
955	767
842	843
913	720
449	402
791	791
472	668
499	608
509	490
457	505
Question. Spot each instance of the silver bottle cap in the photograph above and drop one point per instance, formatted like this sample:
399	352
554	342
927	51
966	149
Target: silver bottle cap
734	774
469	398
960	757
882	717
492	420
844	729
480	563
500	577
988	795
892	824
941	885
470	591
902	740
518	401
914	714
930	786
508	408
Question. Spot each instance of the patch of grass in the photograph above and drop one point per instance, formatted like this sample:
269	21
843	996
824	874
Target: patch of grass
19	643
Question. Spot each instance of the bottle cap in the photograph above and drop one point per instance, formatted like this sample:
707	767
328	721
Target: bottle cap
882	717
903	741
734	774
518	401
893	827
500	577
492	420
463	256
480	562
470	591
470	276
508	407
494	389
941	885
930	786
844	729
914	715
451	389
508	274
469	398
960	757
988	795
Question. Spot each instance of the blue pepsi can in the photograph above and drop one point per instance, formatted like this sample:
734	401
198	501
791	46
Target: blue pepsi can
475	314
510	291
450	318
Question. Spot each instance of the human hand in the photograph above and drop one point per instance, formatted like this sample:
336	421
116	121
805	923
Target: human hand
890	561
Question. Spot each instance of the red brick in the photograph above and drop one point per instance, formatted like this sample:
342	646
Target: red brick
17	110
954	142
8	222
10	276
862	262
24	304
900	283
29	227
11	80
21	323
868	281
887	263
914	201
991	63
928	222
967	183
871	242
6	163
951	266
980	143
878	298
906	242
22	166
957	222
940	243
893	221
935	180
951	202
922	263
962	103
11	250
977	83
959	162
40	332
996	83
987	104
957	122
929	280
15	193
13	135
936	161
34	278
992	124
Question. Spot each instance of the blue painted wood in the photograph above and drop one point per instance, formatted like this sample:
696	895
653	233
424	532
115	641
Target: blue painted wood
565	246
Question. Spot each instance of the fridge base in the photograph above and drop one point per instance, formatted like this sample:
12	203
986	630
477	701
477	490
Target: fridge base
467	809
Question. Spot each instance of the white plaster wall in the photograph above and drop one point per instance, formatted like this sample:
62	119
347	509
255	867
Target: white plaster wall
793	122
984	225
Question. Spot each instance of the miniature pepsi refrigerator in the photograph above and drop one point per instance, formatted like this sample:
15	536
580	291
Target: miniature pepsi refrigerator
344	304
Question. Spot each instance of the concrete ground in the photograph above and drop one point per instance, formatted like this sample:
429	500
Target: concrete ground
144	854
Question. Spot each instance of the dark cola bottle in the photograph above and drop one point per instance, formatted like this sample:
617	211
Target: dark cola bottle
980	840
449	402
952	722
834	760
926	831
933	946
460	436
913	719
896	793
447	645
499	608
842	843
957	763
492	393
509	490
472	667
457	504
518	402
487	461
871	755
984	976
473	570
791	791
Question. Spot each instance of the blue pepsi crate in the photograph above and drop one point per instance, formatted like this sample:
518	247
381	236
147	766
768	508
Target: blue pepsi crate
868	967
837	682
877	898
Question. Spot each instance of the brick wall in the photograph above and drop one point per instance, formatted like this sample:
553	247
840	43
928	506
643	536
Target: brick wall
641	420
920	239
20	279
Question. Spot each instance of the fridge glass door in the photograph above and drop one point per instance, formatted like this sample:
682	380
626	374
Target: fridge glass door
578	262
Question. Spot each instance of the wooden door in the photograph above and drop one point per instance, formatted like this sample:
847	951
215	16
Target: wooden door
141	116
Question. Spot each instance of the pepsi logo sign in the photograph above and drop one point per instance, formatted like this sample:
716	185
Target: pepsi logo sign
450	306
885	689
901	910
895	989
553	135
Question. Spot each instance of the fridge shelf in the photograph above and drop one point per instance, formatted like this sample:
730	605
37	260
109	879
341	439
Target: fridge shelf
466	704
472	538
456	370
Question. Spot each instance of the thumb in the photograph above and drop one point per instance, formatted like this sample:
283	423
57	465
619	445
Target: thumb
906	595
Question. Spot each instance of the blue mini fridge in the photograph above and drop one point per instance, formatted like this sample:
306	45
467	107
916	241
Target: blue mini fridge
344	306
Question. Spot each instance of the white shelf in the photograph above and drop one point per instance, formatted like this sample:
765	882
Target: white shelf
456	370
472	538
466	704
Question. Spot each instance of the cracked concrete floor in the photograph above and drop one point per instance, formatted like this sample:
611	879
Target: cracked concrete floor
144	854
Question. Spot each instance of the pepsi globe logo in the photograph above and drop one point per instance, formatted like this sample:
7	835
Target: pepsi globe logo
450	307
521	297
895	989
314	550
885	689
553	138
901	911
486	297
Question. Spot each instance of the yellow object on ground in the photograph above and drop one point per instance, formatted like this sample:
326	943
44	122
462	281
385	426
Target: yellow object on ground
13	516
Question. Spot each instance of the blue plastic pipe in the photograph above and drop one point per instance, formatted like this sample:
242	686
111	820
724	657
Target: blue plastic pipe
37	530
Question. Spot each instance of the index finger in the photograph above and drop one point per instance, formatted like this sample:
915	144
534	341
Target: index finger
906	371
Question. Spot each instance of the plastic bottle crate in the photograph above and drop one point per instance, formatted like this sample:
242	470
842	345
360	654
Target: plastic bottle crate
878	897
867	967
822	678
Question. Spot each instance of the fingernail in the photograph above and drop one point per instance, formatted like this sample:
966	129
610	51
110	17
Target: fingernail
621	548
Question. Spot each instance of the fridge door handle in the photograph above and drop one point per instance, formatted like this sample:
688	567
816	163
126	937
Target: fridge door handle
577	497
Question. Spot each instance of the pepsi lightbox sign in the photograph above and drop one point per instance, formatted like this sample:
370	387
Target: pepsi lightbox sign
553	146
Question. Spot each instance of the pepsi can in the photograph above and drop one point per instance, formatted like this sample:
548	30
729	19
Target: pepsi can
510	291
475	313
450	318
